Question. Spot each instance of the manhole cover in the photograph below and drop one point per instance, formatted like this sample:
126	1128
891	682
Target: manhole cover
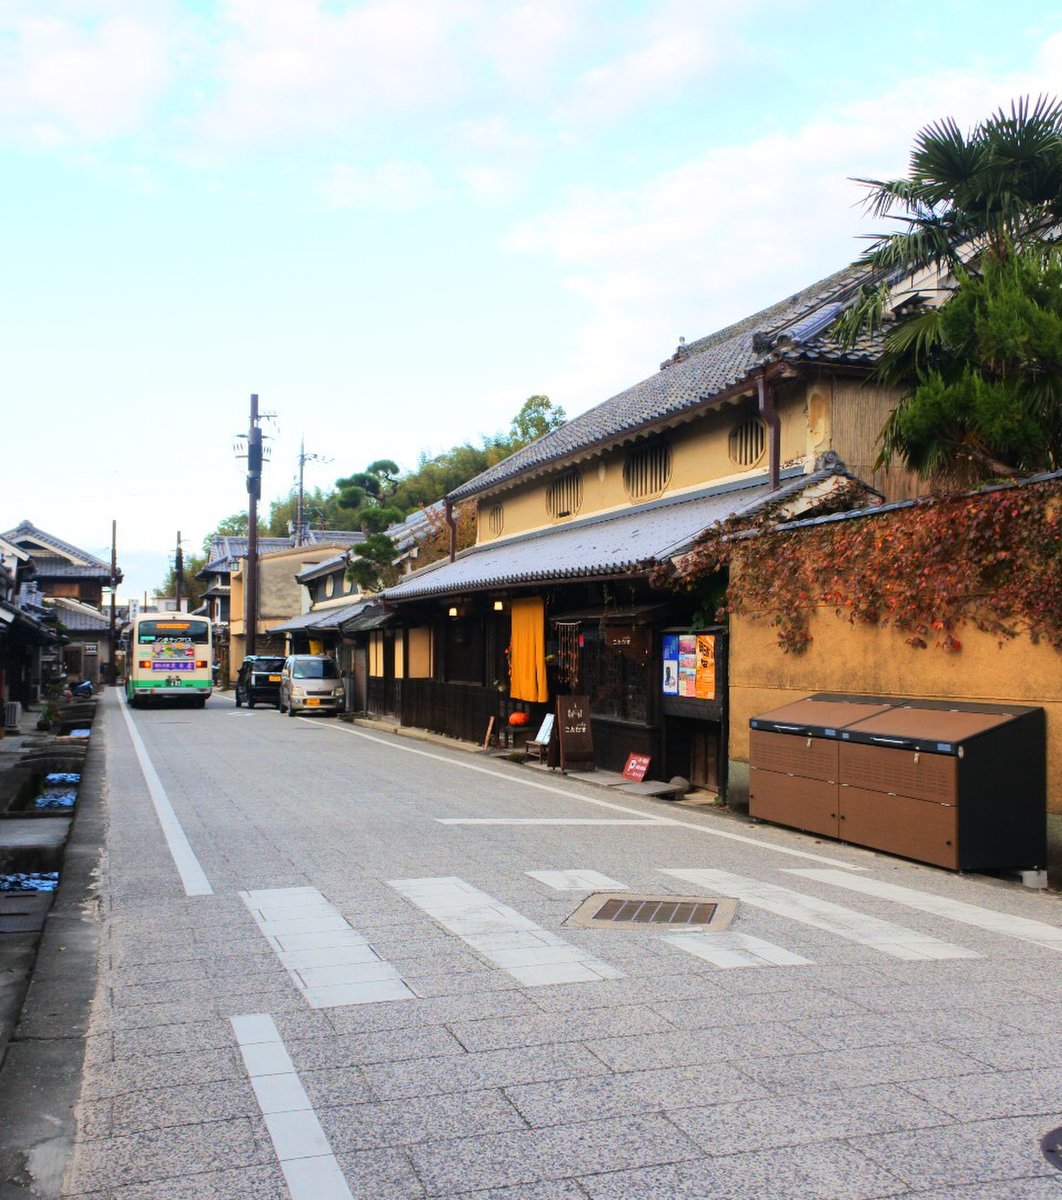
1051	1145
621	910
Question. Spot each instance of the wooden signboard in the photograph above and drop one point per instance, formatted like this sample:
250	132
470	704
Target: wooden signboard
637	765
573	729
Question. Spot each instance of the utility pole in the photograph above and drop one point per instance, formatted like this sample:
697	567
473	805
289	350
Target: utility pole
300	516
114	588
178	571
254	494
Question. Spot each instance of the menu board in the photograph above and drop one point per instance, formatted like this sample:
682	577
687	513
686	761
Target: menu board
573	728
689	665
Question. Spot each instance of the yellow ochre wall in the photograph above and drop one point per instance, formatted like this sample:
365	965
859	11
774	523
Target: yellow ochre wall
869	659
826	412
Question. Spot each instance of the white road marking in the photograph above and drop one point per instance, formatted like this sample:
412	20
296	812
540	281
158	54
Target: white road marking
1039	933
531	954
192	874
310	1168
328	961
729	949
547	821
894	940
578	881
396	744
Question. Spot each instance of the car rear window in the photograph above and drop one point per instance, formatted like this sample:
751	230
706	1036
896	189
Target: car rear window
315	668
268	664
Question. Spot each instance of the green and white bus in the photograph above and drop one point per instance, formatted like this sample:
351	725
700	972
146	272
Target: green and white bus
169	656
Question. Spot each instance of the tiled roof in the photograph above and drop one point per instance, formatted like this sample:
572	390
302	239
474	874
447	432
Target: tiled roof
80	619
317	570
792	330
61	568
321	619
602	546
224	550
374	616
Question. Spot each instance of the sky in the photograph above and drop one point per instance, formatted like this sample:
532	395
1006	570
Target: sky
394	221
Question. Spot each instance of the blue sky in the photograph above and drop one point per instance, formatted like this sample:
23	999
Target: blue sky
395	221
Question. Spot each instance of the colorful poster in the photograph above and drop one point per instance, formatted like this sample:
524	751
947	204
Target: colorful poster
671	664
687	664
705	670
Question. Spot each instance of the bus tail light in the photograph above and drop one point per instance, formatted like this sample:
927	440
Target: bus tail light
200	666
146	663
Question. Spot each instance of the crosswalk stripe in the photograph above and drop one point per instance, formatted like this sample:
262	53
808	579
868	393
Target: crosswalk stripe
730	949
531	954
578	881
1039	933
328	961
894	940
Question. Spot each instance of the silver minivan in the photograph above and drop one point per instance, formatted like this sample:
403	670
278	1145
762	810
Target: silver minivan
310	683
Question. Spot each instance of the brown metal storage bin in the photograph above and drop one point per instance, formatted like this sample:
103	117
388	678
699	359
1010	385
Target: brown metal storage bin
809	804
809	757
958	785
900	825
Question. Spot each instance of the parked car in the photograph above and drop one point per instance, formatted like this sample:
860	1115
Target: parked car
258	680
310	683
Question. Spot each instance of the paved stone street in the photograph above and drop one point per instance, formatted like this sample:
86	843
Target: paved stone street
336	963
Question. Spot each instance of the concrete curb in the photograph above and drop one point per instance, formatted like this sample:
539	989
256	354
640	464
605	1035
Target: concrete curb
40	1078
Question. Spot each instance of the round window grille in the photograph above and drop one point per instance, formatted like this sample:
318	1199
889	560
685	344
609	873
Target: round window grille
495	519
748	441
564	496
647	470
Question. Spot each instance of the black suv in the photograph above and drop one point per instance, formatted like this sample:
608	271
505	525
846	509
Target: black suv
258	680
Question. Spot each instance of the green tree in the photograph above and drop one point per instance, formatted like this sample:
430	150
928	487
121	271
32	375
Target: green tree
537	417
233	526
986	400
367	495
994	190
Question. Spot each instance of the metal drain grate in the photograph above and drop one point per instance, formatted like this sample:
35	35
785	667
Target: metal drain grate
624	911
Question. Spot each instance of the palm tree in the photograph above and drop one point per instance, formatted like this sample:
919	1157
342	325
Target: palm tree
997	189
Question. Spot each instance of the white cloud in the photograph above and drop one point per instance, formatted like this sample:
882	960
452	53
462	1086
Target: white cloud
391	186
732	229
85	73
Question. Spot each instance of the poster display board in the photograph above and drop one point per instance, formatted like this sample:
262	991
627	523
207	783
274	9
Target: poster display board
576	739
689	665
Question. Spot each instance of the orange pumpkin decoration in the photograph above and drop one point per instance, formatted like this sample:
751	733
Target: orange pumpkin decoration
519	718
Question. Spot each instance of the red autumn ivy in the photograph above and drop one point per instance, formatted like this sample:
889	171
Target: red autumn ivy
991	560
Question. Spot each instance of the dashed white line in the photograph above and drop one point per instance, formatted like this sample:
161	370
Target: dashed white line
894	940
188	867
731	949
531	954
578	881
310	1168
328	961
1039	933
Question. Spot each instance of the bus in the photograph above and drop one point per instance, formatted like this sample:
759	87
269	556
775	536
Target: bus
169	655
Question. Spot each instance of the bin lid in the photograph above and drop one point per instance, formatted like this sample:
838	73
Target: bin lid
928	724
820	715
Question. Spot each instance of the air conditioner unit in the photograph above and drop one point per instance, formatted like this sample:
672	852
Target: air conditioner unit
12	715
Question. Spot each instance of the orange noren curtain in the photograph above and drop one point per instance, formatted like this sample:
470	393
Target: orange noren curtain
528	652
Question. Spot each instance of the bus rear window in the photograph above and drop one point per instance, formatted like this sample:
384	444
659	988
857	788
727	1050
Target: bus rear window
196	632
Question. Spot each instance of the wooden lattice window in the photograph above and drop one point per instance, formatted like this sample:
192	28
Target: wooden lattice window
748	442
564	496
495	519
647	471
